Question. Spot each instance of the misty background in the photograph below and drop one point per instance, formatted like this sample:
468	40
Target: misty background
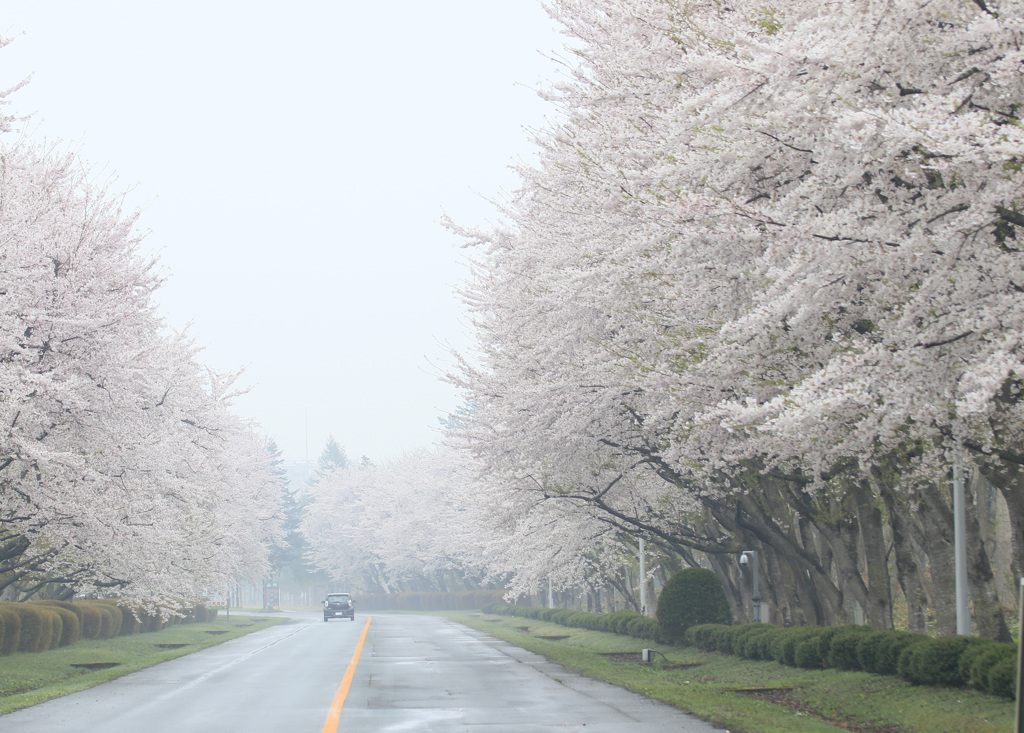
293	163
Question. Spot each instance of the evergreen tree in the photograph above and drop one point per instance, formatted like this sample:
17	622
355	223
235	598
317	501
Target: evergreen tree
333	456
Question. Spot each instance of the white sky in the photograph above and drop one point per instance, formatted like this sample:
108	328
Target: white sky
293	160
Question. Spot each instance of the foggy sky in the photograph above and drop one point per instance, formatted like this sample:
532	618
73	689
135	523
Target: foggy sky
293	162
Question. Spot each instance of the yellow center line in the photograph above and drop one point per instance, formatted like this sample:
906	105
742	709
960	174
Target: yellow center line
334	716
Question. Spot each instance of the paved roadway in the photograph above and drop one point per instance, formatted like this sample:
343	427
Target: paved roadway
414	673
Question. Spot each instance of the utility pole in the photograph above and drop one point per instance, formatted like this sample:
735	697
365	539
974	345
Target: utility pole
963	612
751	556
643	579
1020	661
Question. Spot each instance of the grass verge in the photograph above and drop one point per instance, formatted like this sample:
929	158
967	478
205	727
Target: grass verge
28	679
752	696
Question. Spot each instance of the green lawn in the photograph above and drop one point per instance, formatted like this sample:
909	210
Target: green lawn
755	697
28	679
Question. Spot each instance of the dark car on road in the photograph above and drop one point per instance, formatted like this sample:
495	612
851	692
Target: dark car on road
339	605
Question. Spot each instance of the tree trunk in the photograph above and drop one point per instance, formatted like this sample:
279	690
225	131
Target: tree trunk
909	572
937	520
878	608
988	611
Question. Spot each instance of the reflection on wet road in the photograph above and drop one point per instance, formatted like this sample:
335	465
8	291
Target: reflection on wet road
413	673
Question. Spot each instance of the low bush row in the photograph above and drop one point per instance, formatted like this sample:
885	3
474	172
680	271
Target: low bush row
952	661
41	625
413	601
628	623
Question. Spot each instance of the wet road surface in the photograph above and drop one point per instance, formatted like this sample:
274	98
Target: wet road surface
414	673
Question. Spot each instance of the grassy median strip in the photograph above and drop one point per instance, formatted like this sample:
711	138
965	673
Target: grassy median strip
752	696
30	678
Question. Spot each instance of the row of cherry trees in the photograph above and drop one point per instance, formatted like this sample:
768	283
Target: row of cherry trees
393	527
422	523
761	289
122	468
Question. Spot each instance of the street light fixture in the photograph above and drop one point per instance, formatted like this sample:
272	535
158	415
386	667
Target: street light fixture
750	556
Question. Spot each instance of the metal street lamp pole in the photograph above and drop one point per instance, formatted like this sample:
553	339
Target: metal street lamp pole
643	578
1019	724
751	556
963	611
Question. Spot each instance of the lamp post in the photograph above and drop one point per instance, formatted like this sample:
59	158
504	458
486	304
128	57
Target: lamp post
643	578
750	556
963	611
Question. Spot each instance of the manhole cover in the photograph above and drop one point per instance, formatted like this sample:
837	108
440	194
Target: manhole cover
96	665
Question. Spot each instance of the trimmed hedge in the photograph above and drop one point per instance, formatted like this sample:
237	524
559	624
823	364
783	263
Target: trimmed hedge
10	630
71	628
92	621
627	623
933	661
42	625
880	651
954	661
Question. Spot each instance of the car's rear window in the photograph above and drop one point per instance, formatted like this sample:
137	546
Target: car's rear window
337	598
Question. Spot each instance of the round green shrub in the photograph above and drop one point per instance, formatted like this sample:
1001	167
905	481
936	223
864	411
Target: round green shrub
807	653
594	622
868	648
107	621
130	623
118	614
644	628
890	651
36	627
756	643
690	597
112	625
561	616
10	630
841	652
70	629
1001	679
619	621
744	645
933	661
702	636
721	638
766	643
979	660
732	639
92	620
575	619
152	621
56	624
972	666
785	644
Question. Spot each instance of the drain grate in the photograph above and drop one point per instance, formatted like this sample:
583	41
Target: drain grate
96	665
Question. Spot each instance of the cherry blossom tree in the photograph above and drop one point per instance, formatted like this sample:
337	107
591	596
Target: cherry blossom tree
761	282
121	465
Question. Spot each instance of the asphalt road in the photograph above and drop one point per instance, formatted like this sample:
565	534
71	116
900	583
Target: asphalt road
414	673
